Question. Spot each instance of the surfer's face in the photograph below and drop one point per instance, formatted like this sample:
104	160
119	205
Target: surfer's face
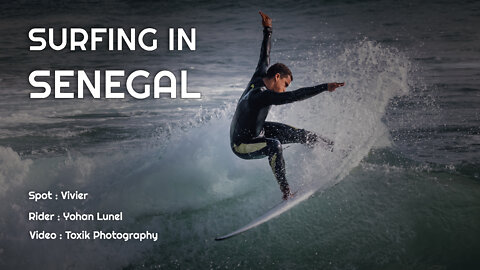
280	83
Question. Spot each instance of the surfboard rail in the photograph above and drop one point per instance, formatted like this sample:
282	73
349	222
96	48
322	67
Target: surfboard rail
275	211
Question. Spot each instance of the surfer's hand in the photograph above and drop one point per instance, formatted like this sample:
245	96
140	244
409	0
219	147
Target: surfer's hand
266	21
333	86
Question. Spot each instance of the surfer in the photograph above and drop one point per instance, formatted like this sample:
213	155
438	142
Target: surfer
251	137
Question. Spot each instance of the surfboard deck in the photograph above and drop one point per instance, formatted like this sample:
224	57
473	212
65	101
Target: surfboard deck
272	213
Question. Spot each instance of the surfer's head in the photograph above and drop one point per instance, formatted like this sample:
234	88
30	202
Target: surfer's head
278	78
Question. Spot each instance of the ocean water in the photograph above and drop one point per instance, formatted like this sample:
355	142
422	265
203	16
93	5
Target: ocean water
399	191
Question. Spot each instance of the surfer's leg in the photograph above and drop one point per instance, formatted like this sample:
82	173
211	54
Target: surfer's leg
262	147
277	163
288	134
253	149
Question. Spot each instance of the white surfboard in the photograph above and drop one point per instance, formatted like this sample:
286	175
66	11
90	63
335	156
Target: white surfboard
272	213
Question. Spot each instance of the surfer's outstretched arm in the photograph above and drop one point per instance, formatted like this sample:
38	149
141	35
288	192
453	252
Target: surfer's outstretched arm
264	59
267	98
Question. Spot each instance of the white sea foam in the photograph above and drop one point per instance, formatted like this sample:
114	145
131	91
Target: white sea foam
351	116
13	170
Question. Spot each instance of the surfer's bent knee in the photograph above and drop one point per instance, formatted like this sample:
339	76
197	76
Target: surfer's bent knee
276	147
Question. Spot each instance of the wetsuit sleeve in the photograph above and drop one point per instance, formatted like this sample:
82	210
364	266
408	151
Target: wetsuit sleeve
268	97
264	60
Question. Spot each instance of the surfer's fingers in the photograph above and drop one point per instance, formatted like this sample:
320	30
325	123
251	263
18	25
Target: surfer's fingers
265	17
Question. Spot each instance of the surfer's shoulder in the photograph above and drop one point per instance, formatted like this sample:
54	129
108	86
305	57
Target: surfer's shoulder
258	91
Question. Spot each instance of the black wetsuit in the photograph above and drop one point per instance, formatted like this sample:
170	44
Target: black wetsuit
251	136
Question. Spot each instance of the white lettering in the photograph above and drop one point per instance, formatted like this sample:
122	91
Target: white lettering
142	43
59	83
183	86
43	85
157	89
42	235
31	35
51	39
36	196
78	43
94	84
68	195
83	80
109	84
182	36
122	37
146	91
96	38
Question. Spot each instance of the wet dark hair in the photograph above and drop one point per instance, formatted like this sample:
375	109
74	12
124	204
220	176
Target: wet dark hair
280	68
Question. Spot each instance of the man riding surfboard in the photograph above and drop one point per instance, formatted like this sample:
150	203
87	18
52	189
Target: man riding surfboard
251	137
